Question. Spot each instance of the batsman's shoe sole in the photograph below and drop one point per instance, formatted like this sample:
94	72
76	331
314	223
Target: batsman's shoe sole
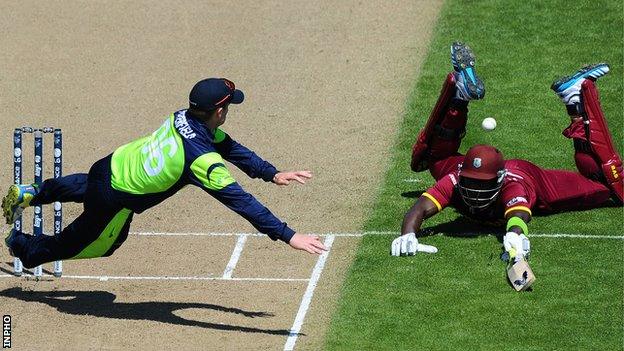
18	197
469	85
569	88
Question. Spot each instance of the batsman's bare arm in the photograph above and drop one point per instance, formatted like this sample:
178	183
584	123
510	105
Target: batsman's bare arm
422	209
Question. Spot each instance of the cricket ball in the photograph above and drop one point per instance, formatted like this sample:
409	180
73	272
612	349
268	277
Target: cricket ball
488	123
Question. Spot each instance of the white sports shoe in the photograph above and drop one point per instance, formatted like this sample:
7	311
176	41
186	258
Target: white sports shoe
569	88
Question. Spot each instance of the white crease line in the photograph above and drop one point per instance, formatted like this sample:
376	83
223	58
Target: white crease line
576	236
413	180
531	235
238	249
307	296
106	278
193	234
536	235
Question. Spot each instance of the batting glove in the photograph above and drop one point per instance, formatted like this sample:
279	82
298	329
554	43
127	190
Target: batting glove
407	245
516	246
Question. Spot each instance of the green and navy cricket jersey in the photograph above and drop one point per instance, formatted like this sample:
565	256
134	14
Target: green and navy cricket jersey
184	151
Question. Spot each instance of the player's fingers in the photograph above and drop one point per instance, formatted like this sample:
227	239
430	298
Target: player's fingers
506	244
304	174
512	253
394	248
313	249
299	179
414	246
307	248
403	246
319	245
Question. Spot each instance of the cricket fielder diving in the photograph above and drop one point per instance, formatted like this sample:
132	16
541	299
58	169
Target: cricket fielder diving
484	186
188	148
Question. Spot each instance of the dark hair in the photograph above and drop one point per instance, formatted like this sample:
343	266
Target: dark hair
201	114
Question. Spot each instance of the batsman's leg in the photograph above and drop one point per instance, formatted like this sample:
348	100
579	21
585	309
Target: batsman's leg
595	154
441	137
444	130
600	140
570	191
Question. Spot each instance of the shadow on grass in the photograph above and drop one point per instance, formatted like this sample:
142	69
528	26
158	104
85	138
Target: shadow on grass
464	227
461	226
611	203
102	304
412	194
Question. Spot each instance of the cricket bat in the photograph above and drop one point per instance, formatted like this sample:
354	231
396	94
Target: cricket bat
520	275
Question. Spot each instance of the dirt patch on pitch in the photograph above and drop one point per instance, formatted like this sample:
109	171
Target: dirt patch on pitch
325	86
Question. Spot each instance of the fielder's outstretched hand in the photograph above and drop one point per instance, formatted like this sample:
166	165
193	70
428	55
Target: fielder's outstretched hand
284	178
309	243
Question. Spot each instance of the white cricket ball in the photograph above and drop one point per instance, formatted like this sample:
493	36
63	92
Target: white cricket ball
488	123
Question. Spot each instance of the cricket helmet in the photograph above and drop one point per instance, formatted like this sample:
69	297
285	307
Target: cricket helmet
481	176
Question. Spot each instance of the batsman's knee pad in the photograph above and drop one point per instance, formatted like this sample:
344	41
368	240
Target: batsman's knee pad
599	139
586	162
587	165
420	149
444	130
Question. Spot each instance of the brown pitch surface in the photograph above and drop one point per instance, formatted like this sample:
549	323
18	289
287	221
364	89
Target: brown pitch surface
325	86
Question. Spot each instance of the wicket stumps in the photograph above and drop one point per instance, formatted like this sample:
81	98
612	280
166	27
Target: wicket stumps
38	179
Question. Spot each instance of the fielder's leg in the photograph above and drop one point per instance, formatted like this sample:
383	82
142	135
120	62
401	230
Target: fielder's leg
441	137
70	188
97	232
595	154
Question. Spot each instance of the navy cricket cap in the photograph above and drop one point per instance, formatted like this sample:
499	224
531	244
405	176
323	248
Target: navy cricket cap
212	93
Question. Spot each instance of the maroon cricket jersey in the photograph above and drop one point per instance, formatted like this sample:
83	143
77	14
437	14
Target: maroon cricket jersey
526	187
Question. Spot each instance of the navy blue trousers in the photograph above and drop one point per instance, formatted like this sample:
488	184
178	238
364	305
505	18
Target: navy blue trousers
94	191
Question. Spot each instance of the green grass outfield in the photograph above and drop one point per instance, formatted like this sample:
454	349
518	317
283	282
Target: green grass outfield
459	298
